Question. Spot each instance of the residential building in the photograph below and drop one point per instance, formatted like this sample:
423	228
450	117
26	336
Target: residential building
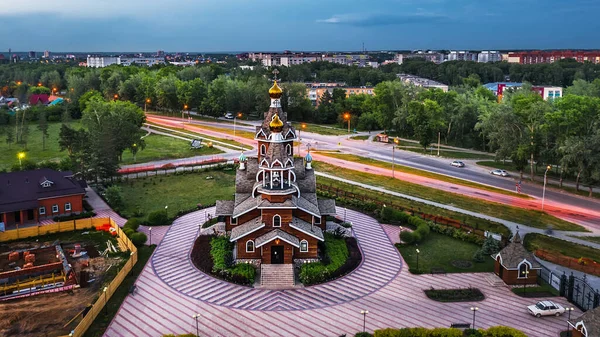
31	54
315	92
46	54
289	58
42	99
29	196
489	56
160	53
275	217
429	56
546	92
538	56
515	265
462	56
102	61
145	61
422	82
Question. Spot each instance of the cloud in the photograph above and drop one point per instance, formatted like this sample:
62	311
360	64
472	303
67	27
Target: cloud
372	20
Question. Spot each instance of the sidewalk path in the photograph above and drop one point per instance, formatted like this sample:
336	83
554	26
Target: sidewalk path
330	309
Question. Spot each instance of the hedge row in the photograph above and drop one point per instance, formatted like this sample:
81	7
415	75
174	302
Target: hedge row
496	331
335	255
221	252
130	229
420	226
82	215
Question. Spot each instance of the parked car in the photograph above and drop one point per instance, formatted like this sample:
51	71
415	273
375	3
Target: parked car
457	163
499	173
229	115
546	308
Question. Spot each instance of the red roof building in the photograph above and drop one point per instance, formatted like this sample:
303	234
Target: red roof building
36	99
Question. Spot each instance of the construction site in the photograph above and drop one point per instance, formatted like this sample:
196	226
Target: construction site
48	284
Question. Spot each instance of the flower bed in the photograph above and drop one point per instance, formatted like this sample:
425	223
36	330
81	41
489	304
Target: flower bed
455	295
220	264
340	256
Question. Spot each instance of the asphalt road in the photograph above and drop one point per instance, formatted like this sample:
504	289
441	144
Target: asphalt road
569	205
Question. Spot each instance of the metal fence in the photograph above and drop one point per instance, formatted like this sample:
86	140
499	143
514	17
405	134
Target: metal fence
574	288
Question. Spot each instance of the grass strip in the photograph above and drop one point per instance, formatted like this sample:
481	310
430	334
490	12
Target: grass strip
534	241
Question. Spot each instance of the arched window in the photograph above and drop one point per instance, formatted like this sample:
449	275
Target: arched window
249	246
524	270
276	221
303	246
263	150
288	149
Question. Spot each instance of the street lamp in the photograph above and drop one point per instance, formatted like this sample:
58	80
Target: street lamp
418	251
105	306
238	115
145	104
196	316
166	211
525	275
134	151
150	232
364	313
396	141
347	117
21	155
568	320
474	310
302	127
544	191
184	109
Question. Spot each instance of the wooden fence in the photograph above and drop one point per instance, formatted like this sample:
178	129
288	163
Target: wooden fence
588	266
390	203
106	293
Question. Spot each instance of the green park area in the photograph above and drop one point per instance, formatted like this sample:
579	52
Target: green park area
193	134
446	153
326	130
238	133
595	239
433	253
422	173
364	137
534	241
180	192
164	147
526	217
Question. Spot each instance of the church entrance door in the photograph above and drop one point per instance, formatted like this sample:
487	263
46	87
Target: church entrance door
276	254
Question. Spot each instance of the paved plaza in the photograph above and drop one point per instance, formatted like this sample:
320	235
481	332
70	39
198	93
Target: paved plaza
170	290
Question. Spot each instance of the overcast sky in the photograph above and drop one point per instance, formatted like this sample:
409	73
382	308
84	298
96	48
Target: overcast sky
242	25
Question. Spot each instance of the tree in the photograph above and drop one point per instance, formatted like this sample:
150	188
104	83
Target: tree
39	90
92	95
114	197
166	93
295	102
43	127
426	120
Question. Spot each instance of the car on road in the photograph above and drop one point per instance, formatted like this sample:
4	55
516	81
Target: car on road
229	115
499	173
546	308
457	163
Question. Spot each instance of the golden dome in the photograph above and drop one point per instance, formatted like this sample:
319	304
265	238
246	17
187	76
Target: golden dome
276	124
275	92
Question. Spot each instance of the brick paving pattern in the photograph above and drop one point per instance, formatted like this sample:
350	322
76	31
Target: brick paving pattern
170	290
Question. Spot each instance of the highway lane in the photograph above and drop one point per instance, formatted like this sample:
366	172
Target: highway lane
568	206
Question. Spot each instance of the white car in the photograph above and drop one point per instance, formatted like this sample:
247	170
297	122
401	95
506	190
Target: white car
546	308
499	173
229	115
457	163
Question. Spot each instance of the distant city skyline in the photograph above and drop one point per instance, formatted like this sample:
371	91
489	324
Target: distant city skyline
335	25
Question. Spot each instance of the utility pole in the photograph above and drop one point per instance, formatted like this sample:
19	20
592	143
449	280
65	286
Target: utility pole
439	134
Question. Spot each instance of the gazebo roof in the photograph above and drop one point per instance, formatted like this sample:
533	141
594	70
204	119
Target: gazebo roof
515	253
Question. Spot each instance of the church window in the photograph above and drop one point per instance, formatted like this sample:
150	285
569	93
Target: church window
289	149
523	270
276	221
303	246
263	150
249	246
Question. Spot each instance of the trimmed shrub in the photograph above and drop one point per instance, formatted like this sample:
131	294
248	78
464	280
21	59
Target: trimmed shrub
138	239
132	223
336	253
407	237
363	334
243	270
221	251
503	331
390	214
158	218
128	231
497	331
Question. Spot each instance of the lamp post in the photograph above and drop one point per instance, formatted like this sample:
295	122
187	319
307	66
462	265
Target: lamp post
195	317
134	151
105	306
239	114
364	313
182	111
299	138
474	310
347	117
166	211
21	155
525	275
418	251
150	232
146	102
116	97
544	191
568	320
394	155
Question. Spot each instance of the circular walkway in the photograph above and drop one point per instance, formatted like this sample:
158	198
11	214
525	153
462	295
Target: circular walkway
172	264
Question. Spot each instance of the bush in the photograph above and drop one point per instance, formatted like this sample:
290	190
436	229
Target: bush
243	270
479	256
128	231
82	215
363	334
407	237
336	253
498	331
157	218
132	223
390	214
221	251
138	239
503	331
114	197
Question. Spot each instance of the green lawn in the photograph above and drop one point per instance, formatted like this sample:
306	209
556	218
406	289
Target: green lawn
527	217
595	239
535	241
327	130
365	137
434	254
544	290
34	151
584	191
205	138
452	154
105	317
238	133
160	147
423	173
180	192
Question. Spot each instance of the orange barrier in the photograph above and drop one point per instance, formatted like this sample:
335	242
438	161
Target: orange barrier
585	265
